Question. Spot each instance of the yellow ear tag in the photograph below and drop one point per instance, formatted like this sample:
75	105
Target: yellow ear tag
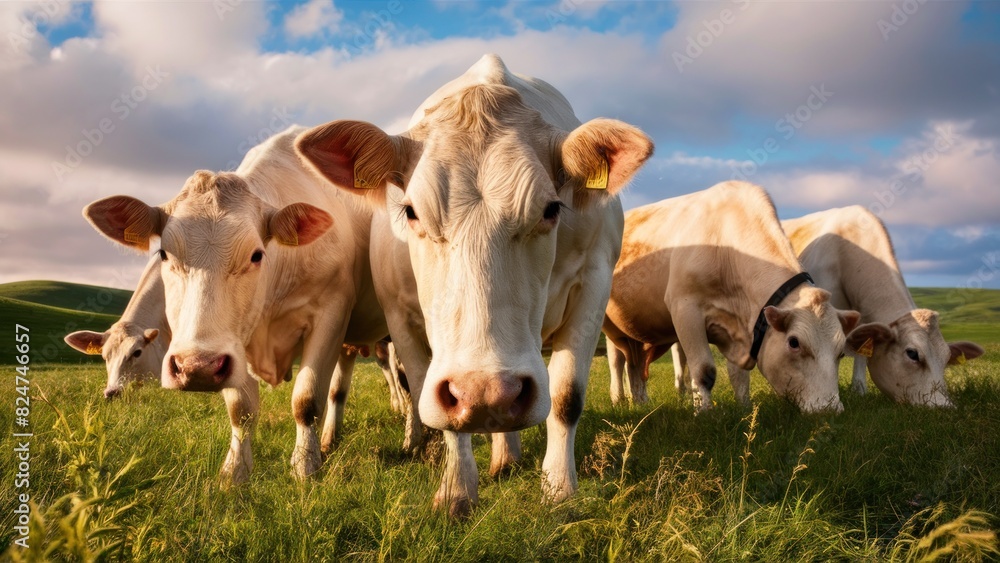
961	358
359	183
131	234
93	349
292	240
867	349
599	179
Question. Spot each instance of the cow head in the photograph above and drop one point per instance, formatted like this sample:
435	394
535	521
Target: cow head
801	351
214	243
127	351
481	186
906	358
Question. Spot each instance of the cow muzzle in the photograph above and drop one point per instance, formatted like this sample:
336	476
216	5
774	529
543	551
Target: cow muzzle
199	371
474	403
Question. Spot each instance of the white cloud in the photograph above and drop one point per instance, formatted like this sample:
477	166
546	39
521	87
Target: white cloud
315	17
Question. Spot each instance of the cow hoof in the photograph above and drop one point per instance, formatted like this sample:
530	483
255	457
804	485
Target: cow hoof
305	464
556	493
231	477
458	508
502	469
640	399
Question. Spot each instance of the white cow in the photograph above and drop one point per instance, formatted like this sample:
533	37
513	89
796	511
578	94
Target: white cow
500	232
849	253
134	346
715	267
257	265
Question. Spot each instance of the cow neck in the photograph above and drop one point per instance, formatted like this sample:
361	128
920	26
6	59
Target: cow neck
878	302
779	295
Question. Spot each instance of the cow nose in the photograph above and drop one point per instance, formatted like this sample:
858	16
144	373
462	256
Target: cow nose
112	392
487	404
200	371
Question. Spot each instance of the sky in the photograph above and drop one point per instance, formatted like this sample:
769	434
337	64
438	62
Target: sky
892	105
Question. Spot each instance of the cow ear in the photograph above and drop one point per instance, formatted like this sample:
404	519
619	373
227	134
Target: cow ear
848	320
961	351
298	224
864	338
602	155
357	156
150	335
126	220
86	341
777	318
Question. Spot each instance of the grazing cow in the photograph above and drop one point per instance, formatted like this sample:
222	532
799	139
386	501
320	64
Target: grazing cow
259	265
133	347
849	253
501	230
715	267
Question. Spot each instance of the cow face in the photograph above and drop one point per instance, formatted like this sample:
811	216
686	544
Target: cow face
801	352
486	184
214	238
127	352
907	357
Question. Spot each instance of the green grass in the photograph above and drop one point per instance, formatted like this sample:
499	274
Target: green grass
869	484
137	478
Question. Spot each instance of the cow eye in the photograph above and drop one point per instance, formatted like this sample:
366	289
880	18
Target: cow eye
411	215
163	255
552	211
793	343
137	353
257	256
912	354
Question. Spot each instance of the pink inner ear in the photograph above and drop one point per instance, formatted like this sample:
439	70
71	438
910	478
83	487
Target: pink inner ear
312	224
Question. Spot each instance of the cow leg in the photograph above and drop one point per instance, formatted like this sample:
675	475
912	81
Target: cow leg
243	404
411	350
386	360
340	385
740	380
859	381
691	335
616	365
459	490
682	380
637	371
506	452
569	369
312	387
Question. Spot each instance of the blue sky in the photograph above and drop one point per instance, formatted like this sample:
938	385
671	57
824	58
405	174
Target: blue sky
891	105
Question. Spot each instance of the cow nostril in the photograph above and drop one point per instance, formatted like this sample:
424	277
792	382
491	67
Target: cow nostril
525	397
111	393
225	366
174	368
447	399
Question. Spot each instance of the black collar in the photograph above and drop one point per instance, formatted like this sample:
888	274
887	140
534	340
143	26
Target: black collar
761	326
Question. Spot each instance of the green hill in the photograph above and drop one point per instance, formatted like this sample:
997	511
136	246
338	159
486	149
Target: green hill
53	309
73	296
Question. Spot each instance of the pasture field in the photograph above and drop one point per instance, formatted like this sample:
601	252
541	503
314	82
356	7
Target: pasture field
136	478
